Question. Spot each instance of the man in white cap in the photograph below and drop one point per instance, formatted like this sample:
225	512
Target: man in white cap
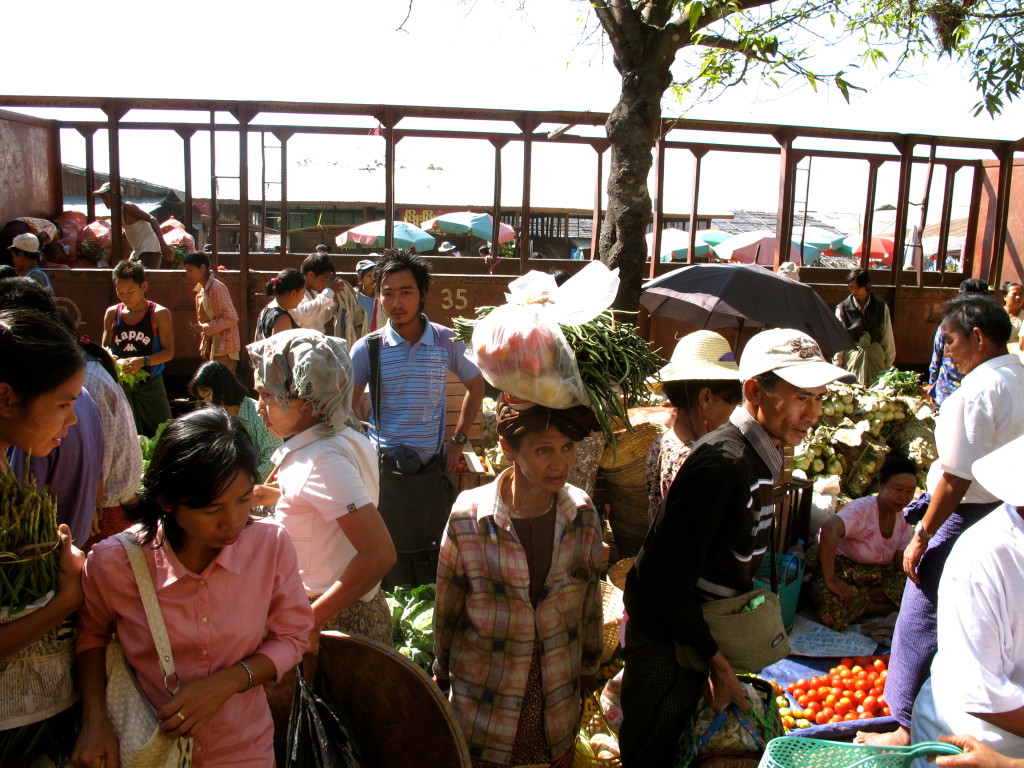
141	229
373	314
708	540
25	257
448	249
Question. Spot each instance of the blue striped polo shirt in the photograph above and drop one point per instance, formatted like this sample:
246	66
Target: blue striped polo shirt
413	381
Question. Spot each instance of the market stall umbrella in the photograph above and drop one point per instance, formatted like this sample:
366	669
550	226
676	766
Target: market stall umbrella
372	234
479	224
675	244
737	295
755	247
713	236
879	250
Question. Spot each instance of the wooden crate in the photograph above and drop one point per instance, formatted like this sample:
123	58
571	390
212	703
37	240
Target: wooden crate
481	472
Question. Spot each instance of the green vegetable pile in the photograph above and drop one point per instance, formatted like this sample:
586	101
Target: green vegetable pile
148	444
130	379
614	362
412	623
860	425
28	542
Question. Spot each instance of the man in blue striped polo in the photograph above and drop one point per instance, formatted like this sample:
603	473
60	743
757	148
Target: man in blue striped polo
413	357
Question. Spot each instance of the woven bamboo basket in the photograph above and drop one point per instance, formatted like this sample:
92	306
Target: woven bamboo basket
617	573
624	470
611	611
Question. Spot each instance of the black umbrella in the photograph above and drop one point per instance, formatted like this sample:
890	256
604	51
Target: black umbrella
735	295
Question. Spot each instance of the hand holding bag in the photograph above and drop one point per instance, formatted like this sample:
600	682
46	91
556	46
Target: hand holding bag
141	743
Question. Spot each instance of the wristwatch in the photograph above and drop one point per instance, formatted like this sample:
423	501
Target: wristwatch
460	438
921	531
145	360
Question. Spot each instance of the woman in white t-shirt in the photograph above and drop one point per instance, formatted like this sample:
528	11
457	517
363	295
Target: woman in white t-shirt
327	481
859	554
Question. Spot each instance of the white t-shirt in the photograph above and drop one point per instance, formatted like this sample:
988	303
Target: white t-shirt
979	666
985	412
323	478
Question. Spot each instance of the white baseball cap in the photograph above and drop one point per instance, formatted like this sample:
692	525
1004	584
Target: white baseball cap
27	242
793	356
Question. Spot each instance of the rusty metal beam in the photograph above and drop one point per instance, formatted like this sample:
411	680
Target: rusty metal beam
242	115
906	149
498	145
186	138
213	191
970	244
114	113
924	212
784	220
659	186
389	179
600	146
947	210
698	159
1002	212
869	212
90	174
526	125
283	137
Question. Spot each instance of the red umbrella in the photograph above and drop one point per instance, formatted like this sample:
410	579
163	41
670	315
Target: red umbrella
879	253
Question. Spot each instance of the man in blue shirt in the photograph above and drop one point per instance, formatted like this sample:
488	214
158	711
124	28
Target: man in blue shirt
415	357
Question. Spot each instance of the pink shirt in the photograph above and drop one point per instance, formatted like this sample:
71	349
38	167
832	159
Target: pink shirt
214	619
864	542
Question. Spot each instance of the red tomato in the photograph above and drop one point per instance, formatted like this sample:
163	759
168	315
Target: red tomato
813	706
843	706
828	712
820	718
867	716
798	692
801	683
879	665
870	704
835	719
857	669
875	692
851	716
885	712
859	696
862	685
830	700
803	701
846	663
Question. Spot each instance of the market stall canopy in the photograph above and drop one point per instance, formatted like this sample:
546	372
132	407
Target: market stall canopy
478	224
730	295
756	247
372	234
675	244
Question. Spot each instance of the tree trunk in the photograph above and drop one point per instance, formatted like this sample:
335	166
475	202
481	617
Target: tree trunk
633	128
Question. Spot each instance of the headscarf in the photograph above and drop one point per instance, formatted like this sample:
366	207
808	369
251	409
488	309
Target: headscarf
516	419
307	364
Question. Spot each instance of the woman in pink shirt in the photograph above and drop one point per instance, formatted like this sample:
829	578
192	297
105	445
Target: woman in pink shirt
229	591
859	556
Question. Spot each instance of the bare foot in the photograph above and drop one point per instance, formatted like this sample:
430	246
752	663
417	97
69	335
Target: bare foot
898	738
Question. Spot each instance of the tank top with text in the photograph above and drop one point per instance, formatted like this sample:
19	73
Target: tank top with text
137	339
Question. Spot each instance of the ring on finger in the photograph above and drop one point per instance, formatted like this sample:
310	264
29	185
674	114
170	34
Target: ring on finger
181	716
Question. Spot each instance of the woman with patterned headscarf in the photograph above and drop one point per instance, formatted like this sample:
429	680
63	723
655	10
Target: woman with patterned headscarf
327	480
517	623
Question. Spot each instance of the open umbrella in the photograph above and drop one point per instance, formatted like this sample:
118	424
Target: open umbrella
879	250
731	295
479	224
675	244
713	236
755	247
372	233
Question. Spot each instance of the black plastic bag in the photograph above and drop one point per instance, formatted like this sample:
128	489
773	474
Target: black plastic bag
319	733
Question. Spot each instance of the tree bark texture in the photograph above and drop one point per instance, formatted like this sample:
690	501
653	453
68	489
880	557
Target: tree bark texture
643	56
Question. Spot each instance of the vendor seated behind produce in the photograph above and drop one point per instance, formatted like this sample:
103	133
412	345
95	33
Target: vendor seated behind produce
859	554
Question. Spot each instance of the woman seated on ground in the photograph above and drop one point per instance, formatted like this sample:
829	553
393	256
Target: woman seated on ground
216	384
229	590
859	554
517	656
287	289
702	383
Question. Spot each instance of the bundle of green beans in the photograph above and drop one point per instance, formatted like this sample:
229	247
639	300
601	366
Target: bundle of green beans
613	360
28	542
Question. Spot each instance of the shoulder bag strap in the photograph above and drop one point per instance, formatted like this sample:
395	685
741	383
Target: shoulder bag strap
373	346
147	591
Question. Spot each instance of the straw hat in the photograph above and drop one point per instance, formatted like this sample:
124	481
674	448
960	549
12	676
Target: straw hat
997	472
701	356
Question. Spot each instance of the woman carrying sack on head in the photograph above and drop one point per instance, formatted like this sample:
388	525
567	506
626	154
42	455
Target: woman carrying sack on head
41	378
228	592
516	658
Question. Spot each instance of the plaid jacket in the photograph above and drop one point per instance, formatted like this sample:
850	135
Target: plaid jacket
485	626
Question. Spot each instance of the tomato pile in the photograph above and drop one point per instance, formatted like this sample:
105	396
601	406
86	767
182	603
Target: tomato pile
854	690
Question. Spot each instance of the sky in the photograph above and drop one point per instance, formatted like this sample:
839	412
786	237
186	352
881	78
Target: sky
518	54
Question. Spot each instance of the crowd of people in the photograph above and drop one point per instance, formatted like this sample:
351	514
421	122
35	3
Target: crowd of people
329	482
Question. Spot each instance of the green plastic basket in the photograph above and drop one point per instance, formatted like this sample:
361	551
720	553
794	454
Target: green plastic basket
790	572
798	752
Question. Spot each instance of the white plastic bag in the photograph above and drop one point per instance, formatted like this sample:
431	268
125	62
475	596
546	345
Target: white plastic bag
520	347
